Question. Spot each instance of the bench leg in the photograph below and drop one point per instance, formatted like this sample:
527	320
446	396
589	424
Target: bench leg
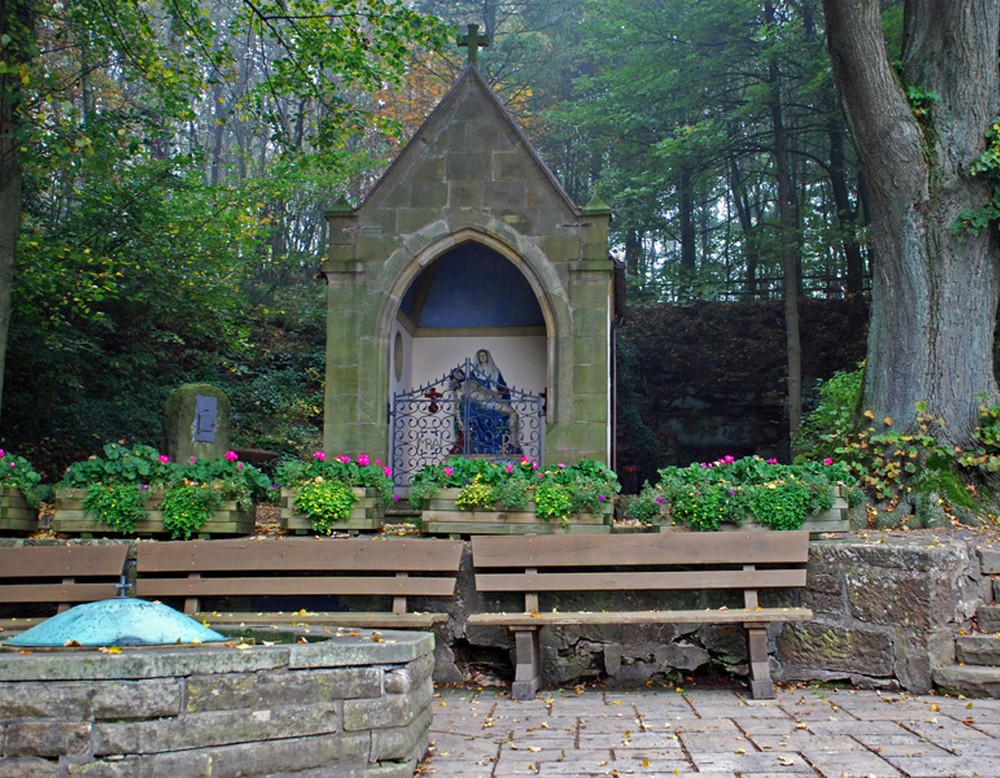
528	672
761	686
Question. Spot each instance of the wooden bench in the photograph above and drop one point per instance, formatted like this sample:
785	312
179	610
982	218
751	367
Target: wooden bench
676	561
63	575
299	568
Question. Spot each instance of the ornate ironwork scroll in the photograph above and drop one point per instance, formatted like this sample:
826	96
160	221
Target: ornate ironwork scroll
466	412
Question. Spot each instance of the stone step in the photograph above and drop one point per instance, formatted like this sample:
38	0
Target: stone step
989	559
978	649
970	680
988	617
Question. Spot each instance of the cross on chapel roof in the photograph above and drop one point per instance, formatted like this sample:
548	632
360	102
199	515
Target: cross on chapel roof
473	40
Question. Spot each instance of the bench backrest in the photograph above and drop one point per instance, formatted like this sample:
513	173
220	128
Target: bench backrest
641	562
64	574
306	567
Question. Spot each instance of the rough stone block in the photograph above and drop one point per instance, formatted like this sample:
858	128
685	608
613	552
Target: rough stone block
389	711
988	617
460	166
468	193
214	728
113	700
46	738
889	596
405	742
512	165
970	680
830	647
978	649
251	691
400	680
28	768
989	560
507	197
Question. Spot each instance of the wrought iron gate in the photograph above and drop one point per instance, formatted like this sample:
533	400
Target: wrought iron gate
464	413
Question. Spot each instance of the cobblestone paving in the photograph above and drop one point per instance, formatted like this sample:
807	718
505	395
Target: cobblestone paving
712	732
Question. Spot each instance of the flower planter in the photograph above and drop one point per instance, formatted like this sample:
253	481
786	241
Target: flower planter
16	516
442	516
833	520
368	513
68	518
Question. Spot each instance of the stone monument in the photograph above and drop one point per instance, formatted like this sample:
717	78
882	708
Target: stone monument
196	422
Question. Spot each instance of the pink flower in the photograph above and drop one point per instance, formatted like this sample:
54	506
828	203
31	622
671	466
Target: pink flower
510	468
164	459
534	465
449	471
395	498
378	462
239	465
320	455
387	471
828	461
524	460
728	459
703	464
660	501
192	460
232	456
143	487
600	498
772	461
2	453
363	460
560	464
344	458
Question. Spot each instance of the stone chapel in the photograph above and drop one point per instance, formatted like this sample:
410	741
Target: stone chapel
471	302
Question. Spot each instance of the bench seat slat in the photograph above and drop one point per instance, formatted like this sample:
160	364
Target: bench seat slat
289	554
674	548
58	592
648	580
327	618
710	616
295	585
63	561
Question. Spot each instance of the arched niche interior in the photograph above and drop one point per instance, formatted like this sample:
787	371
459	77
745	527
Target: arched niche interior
468	298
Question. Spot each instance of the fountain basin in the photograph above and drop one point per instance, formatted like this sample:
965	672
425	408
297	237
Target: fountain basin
354	703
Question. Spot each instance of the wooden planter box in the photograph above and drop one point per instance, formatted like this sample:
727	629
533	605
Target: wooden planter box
16	516
833	520
442	516
68	518
368	513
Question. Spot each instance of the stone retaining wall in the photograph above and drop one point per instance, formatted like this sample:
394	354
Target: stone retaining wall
354	705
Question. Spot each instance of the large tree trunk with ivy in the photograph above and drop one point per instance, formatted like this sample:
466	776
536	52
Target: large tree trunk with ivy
934	289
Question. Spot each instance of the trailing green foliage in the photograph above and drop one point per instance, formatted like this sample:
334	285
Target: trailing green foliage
186	509
325	502
987	165
119	505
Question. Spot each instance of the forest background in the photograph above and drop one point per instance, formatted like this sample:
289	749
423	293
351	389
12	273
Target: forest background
176	159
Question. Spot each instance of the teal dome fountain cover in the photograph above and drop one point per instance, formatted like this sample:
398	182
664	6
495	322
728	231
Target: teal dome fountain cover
122	621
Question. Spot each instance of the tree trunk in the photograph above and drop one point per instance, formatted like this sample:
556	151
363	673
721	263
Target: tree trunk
17	29
934	293
789	248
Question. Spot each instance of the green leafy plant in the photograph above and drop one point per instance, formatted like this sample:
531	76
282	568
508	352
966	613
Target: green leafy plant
137	464
586	487
187	507
17	472
648	506
119	505
833	418
325	503
362	472
705	495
